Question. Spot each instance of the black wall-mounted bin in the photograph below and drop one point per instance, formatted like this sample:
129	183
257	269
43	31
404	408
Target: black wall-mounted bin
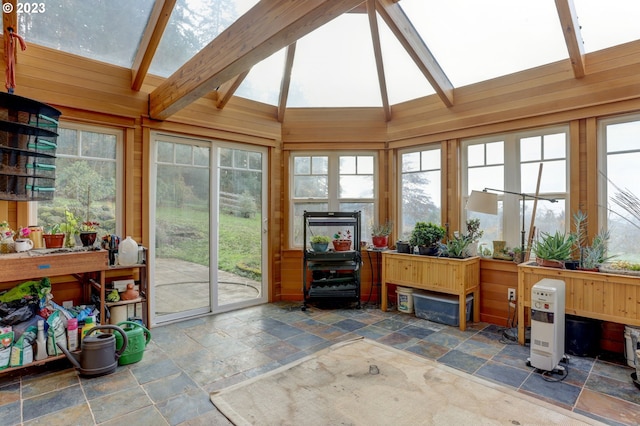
28	143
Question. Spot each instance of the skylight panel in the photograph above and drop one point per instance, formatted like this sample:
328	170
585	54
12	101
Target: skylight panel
87	27
404	79
193	24
263	81
608	23
480	40
334	66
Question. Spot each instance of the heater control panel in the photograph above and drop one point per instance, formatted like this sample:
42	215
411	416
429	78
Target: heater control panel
543	299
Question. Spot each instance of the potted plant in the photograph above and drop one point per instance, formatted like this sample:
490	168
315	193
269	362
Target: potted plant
425	236
594	255
319	243
342	241
553	250
380	234
6	238
53	237
70	228
474	233
457	246
88	232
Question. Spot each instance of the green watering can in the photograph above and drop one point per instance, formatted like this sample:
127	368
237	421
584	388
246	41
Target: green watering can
138	337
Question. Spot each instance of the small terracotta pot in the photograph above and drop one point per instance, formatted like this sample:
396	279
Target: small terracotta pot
53	240
341	245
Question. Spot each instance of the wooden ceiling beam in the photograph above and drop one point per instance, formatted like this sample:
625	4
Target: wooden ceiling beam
400	25
377	52
228	88
572	35
286	81
150	40
266	28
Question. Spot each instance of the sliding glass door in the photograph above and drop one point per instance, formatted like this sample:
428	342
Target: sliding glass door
208	234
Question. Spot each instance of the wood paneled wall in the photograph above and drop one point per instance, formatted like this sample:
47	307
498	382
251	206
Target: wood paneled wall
93	92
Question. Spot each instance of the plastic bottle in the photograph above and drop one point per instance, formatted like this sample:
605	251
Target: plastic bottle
88	325
72	334
41	342
128	252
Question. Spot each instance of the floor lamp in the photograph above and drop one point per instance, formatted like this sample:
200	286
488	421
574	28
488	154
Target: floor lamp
487	202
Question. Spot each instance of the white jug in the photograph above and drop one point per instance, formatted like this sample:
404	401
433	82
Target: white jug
23	244
128	252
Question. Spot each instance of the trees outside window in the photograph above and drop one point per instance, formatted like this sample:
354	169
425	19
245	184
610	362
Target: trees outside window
87	176
323	182
618	139
420	188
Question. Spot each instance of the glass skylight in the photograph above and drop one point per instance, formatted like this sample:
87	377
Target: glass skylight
262	84
404	79
335	67
193	24
480	40
107	31
608	23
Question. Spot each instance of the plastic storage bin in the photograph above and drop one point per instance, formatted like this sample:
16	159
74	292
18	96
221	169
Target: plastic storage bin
439	307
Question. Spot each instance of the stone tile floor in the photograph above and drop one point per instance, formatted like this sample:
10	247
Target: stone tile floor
185	361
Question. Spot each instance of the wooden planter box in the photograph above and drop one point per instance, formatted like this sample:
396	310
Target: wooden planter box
597	295
442	274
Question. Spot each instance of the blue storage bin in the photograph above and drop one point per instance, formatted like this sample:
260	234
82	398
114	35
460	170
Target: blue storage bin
440	307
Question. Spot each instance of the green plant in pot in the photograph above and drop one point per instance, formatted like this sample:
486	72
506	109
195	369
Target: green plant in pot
425	236
458	246
70	228
53	236
380	234
593	255
319	243
474	233
553	250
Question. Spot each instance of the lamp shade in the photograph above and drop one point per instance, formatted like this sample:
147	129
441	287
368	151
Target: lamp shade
483	202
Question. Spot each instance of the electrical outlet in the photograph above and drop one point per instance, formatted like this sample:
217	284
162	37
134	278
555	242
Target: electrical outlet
511	294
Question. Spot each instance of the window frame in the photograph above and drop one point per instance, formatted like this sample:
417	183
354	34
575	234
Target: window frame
118	133
602	158
417	149
512	163
333	184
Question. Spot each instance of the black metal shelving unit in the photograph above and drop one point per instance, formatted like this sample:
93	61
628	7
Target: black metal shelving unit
331	275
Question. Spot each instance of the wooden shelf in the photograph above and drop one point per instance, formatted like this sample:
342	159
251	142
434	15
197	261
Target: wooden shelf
459	277
89	267
597	295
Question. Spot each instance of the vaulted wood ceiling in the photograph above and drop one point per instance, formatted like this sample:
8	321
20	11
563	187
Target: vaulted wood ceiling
271	25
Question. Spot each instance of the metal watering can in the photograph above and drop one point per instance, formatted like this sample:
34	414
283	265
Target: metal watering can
98	356
138	336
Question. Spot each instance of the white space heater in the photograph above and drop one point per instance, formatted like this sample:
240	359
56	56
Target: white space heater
547	324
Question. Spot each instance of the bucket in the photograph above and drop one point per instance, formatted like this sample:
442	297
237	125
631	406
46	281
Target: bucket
629	352
405	300
138	337
118	314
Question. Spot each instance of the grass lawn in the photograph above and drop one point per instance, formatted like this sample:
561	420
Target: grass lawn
184	234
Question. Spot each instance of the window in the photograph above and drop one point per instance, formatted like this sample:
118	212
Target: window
332	182
618	137
420	189
512	163
87	176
